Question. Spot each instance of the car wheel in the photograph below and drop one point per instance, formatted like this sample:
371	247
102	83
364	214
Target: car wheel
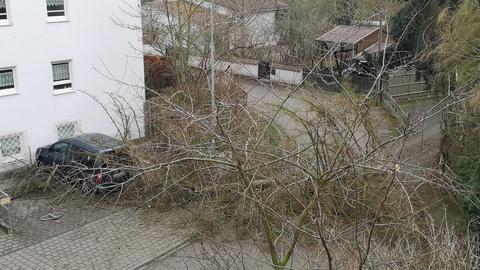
41	162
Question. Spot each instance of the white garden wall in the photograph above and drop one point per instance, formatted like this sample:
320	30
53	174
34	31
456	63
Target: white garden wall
283	73
287	76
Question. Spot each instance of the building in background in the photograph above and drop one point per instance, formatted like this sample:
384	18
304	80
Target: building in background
239	25
259	21
68	67
350	43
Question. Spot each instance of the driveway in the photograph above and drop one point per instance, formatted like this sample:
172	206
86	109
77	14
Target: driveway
91	234
266	98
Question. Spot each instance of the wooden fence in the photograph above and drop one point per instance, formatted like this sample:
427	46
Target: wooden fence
406	82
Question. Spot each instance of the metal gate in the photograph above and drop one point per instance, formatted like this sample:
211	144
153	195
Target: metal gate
264	69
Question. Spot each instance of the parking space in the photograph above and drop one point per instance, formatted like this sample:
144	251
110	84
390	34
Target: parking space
125	237
27	212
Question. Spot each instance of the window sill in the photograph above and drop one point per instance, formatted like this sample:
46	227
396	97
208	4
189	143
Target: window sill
58	19
63	92
5	23
4	93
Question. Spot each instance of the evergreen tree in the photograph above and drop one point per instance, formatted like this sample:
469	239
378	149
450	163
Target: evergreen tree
413	26
458	63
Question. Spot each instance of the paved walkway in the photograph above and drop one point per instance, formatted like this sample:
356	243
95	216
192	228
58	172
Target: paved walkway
30	230
122	240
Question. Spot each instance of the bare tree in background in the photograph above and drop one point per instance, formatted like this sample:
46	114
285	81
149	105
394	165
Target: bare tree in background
310	179
180	29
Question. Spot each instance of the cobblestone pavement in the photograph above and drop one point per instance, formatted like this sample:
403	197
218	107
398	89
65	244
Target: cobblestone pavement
124	240
29	229
90	235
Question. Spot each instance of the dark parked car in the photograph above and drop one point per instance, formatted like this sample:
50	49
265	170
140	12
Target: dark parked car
93	160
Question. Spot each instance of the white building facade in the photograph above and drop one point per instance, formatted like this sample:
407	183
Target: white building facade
68	67
258	21
242	24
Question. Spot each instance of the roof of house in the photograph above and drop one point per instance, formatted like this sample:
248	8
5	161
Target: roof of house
253	5
349	34
186	9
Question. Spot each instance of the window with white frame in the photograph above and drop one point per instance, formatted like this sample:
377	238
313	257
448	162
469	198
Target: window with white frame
61	76
67	130
3	10
56	8
7	79
10	146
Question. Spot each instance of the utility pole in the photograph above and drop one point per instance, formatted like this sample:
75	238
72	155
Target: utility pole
380	49
379	57
212	59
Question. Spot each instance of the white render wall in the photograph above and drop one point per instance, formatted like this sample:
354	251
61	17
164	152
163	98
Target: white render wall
247	70
261	29
287	76
97	48
250	70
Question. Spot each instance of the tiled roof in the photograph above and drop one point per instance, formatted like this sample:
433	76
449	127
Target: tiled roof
195	12
253	5
349	34
295	68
